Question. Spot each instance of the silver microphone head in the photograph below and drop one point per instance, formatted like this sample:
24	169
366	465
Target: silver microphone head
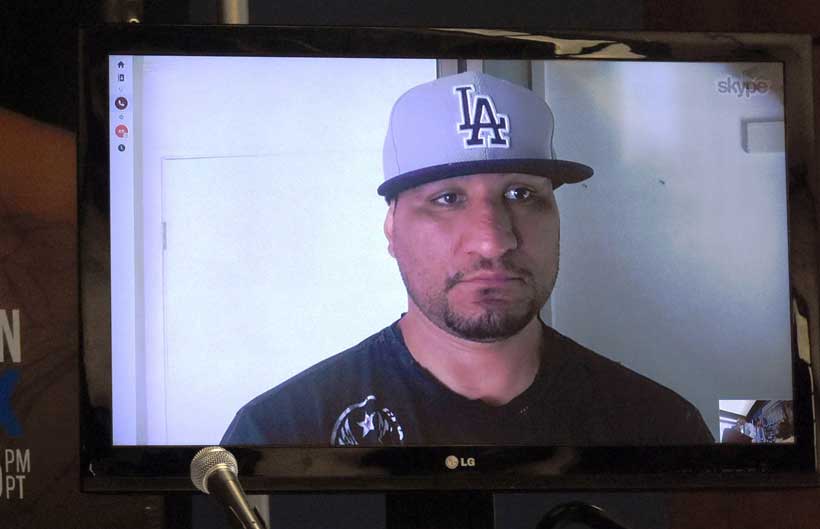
207	461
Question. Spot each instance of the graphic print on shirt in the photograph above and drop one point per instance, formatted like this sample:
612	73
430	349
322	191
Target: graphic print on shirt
364	423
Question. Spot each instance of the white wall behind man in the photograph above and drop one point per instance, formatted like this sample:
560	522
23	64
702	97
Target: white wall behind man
265	172
674	254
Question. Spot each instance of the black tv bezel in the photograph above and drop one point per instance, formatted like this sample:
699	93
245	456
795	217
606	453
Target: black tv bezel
109	468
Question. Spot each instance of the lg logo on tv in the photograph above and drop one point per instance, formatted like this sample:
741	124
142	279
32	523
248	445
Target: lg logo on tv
453	462
743	87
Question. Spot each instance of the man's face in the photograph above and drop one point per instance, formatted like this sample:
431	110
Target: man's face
479	253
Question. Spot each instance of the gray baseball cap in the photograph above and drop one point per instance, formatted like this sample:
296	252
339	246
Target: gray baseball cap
466	124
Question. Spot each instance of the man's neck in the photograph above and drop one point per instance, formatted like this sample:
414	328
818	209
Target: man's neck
494	372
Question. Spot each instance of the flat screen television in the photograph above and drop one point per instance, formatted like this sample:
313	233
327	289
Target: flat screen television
255	200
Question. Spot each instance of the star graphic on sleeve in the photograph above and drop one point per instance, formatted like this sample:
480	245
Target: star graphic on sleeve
8	421
367	424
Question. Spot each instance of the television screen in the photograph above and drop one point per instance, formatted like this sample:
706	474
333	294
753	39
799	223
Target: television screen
424	240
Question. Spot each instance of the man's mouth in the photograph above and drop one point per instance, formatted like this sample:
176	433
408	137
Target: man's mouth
486	280
490	279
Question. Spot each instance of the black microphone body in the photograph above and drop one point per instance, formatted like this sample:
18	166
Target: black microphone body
214	472
224	486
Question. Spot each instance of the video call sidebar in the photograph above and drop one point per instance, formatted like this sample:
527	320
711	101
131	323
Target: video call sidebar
121	112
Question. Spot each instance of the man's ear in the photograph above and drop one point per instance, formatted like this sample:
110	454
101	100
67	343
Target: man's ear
388	227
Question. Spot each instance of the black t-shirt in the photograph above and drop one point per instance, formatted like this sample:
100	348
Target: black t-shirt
376	393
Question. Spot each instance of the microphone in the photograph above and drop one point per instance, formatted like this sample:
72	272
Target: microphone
214	471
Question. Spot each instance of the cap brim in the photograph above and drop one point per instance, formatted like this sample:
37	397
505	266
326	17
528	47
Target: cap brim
559	171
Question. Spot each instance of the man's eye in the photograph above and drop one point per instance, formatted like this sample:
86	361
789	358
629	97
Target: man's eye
518	193
447	199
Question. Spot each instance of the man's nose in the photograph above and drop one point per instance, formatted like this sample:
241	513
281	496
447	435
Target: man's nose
489	230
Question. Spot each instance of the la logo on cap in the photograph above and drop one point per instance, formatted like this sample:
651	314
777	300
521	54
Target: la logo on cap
481	124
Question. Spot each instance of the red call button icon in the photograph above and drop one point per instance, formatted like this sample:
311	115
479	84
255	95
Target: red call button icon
121	131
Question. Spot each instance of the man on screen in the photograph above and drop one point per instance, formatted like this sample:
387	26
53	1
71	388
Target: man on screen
473	224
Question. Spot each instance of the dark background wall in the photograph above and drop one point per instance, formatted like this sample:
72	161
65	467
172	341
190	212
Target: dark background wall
38	93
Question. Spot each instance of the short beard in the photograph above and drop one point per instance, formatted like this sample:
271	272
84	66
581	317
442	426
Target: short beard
490	326
493	325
